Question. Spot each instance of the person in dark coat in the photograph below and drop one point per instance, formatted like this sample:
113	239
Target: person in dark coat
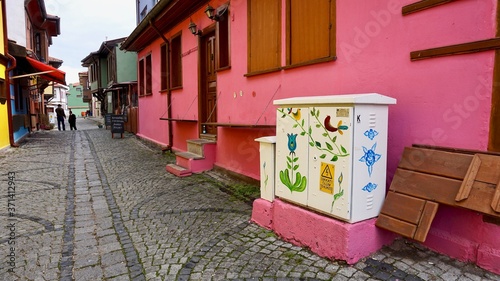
60	117
72	120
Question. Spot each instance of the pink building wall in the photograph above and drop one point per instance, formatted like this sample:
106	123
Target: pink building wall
442	101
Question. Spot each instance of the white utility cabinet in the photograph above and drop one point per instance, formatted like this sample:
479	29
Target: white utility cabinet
267	150
331	153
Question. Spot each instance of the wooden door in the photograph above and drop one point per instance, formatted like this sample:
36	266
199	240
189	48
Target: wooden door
208	92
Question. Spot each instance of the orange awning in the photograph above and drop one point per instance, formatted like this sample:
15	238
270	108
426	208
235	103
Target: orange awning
48	72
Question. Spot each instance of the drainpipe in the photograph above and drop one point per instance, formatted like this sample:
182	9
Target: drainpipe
169	92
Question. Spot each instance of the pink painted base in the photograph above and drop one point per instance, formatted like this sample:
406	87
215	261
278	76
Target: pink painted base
324	235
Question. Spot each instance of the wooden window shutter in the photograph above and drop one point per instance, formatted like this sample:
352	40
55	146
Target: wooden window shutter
176	62
141	78
164	66
264	33
311	30
149	75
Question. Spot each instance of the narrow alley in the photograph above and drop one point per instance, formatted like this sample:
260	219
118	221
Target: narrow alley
80	205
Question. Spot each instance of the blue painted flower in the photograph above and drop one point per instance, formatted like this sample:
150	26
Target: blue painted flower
371	133
370	157
370	187
292	142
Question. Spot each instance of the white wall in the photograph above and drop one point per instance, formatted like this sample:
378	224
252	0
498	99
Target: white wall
16	21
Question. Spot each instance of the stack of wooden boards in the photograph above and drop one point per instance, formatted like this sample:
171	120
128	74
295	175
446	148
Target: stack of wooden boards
429	176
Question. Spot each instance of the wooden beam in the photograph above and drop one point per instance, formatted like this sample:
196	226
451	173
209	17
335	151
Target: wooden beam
494	137
459	49
423	5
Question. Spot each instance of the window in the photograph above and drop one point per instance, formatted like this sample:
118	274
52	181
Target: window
176	62
145	79
164	66
80	92
144	12
18	96
141	78
38	46
264	35
310	31
111	67
149	80
223	41
3	91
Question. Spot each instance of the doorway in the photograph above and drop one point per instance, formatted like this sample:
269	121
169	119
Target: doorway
208	86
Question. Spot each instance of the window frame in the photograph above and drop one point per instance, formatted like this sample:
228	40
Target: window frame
332	38
223	42
176	61
141	69
254	34
149	74
165	67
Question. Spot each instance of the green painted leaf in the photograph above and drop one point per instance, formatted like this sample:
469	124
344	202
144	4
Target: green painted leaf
289	159
288	165
318	144
343	149
338	195
295	159
310	130
335	158
295	125
303	133
334	139
329	146
323	156
318	125
295	167
325	134
303	122
311	143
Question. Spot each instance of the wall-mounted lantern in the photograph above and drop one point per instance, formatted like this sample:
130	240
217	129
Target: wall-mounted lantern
194	29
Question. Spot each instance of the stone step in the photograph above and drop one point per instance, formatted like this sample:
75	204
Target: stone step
178	170
200	157
196	146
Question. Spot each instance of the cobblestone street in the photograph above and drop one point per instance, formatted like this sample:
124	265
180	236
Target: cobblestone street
79	205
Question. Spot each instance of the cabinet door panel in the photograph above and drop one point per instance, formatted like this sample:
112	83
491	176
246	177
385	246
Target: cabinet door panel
330	146
292	154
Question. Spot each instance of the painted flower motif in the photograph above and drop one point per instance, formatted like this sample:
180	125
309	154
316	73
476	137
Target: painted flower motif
371	134
292	142
370	187
370	157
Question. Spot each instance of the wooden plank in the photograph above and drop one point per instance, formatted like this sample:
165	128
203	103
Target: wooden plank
422	5
469	179
495	203
489	172
455	150
425	186
403	207
424	225
398	226
458	49
443	190
435	162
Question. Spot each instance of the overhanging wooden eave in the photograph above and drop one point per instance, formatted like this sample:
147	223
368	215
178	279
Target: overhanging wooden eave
164	16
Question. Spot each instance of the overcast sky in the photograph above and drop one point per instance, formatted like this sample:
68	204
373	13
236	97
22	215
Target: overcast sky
85	24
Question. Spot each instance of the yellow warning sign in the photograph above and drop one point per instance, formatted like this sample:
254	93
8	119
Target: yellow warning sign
326	176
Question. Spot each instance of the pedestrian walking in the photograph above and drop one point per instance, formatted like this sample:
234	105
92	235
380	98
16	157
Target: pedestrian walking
60	117
72	120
